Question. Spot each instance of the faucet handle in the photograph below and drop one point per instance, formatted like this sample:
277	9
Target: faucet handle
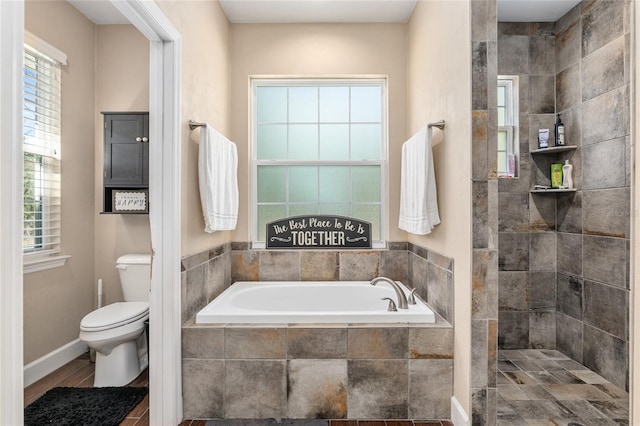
392	304
412	299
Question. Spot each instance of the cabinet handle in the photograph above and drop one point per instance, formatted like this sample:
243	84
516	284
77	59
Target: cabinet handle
138	139
145	139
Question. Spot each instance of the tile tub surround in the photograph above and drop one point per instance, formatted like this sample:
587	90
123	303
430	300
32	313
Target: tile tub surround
317	371
205	275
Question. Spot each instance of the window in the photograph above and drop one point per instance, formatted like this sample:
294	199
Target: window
41	145
319	147
507	126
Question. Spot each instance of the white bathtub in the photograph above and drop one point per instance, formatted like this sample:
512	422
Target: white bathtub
247	302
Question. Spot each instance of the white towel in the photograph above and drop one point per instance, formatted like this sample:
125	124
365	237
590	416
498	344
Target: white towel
217	173
418	195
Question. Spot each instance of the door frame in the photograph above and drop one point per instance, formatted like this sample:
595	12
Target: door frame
165	381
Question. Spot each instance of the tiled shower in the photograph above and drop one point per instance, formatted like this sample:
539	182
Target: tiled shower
564	258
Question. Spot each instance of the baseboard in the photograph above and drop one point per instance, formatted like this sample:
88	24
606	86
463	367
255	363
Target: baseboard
50	362
458	416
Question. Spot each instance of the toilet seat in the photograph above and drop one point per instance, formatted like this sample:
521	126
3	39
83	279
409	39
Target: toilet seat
114	315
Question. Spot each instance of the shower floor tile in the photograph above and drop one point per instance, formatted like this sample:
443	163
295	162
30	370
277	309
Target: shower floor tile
545	387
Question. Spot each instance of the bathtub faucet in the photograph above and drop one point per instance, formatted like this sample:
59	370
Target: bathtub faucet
402	299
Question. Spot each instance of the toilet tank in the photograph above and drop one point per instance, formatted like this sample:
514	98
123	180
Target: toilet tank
135	276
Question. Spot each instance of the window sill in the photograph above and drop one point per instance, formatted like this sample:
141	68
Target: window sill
43	263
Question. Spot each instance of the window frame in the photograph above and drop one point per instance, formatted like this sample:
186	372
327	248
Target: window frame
284	81
49	256
511	125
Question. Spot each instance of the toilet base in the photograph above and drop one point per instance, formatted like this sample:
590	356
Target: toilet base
118	368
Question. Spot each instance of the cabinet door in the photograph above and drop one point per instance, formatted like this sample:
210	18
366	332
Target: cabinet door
125	149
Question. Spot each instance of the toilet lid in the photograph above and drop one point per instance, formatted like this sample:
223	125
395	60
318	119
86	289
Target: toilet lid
114	315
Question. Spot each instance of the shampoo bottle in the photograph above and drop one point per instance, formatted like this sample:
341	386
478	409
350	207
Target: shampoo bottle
559	127
567	175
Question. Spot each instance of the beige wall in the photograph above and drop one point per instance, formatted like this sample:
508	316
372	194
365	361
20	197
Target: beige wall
317	50
121	84
56	300
205	97
439	73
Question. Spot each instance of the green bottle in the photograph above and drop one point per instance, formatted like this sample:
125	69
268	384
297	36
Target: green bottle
556	175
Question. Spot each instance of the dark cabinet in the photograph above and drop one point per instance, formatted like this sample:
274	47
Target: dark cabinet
126	158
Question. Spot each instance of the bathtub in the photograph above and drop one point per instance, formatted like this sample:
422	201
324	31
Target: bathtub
351	302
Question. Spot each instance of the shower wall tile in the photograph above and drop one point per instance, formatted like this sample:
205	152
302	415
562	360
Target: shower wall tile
570	254
606	116
377	389
542	93
542	213
568	46
279	266
542	330
513	28
602	21
319	266
202	395
480	283
418	274
316	343
479	75
542	58
514	251
568	89
537	122
570	212
542	291
480	165
513	54
378	343
572	119
513	212
608	260
513	290
480	214
605	308
607	355
569	336
570	294
427	378
479	353
255	389
480	20
603	70
317	389
359	266
256	343
514	330
542	256
606	212
611	155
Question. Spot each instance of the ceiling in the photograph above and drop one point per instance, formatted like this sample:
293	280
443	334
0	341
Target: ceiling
306	11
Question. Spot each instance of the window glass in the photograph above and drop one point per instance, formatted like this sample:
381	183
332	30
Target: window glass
272	184
303	104
365	104
334	104
334	184
272	104
273	139
303	141
334	141
303	184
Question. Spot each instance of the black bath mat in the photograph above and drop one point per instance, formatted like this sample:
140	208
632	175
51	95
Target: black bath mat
83	406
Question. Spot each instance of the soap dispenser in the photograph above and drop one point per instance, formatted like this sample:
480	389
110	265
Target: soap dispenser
567	175
559	128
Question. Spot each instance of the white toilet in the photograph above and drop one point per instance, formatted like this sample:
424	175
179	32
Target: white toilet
116	331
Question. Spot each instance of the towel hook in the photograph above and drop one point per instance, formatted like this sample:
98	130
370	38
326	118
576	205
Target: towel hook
194	124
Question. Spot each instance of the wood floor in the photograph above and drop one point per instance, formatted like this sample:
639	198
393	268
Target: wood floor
79	373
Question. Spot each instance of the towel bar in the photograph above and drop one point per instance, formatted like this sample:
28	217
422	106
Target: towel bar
194	124
438	124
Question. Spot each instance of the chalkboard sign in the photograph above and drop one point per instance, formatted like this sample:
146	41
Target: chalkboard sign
315	232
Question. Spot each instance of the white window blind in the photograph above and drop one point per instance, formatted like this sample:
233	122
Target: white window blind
41	142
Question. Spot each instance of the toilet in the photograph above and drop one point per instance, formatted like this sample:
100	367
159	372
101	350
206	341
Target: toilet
116	331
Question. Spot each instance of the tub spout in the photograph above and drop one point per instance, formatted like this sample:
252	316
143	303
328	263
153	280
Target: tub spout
402	298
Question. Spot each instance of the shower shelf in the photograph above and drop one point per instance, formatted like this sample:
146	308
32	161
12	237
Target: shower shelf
554	149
